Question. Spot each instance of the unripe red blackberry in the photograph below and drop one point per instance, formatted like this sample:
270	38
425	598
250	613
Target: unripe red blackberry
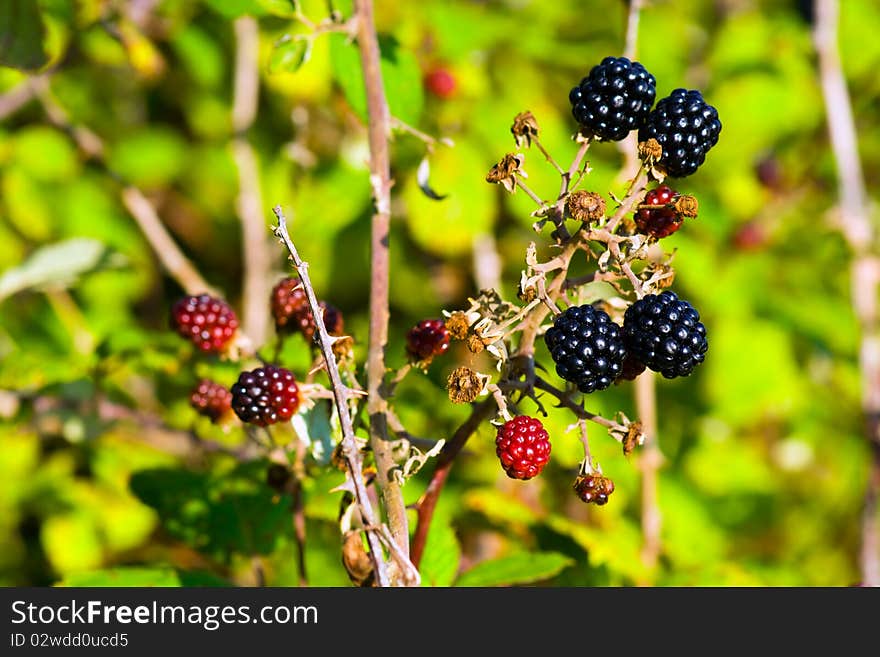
304	320
427	339
593	488
207	322
523	446
211	399
288	298
663	221
265	396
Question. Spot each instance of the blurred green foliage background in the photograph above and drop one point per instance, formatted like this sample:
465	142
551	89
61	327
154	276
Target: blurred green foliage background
764	462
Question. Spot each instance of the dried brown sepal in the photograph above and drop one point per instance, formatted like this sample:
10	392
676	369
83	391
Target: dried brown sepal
585	206
650	152
464	385
526	292
506	170
356	560
457	325
343	348
687	206
634	437
475	344
525	126
593	488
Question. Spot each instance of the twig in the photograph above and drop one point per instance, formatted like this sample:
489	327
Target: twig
578	410
428	501
256	251
16	98
865	269
340	394
380	177
649	463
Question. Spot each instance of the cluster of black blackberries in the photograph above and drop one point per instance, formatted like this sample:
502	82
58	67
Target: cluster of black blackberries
616	98
660	331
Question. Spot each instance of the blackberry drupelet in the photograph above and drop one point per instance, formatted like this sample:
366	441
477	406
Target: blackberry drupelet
614	98
523	446
265	396
663	221
587	347
207	322
304	320
211	399
665	333
427	339
686	127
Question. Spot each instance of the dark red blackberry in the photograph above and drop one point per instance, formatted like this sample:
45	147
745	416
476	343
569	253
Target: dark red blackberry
665	333
631	369
288	298
265	396
427	339
686	127
593	488
304	320
441	83
586	347
523	446
208	323
663	221
211	399
614	98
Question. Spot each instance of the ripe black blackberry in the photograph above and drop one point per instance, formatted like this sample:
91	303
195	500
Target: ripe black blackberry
523	447
665	333
686	127
265	396
586	347
209	323
614	98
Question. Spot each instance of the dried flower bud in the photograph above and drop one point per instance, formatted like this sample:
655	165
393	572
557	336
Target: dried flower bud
585	206
475	344
524	127
457	325
650	151
593	488
505	171
686	206
464	385
634	437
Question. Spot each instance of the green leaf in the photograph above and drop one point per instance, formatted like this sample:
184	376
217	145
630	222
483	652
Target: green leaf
289	54
236	8
57	265
401	77
141	577
314	427
21	35
442	556
522	568
150	157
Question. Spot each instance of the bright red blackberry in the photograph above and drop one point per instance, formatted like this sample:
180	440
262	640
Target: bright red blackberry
288	298
663	221
593	488
686	127
523	446
211	399
665	333
265	396
614	98
427	339
209	323
586	347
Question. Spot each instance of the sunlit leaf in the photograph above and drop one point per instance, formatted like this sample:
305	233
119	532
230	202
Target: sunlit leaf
521	568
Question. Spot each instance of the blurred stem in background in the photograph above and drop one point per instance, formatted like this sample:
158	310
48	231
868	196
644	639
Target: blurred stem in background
855	224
